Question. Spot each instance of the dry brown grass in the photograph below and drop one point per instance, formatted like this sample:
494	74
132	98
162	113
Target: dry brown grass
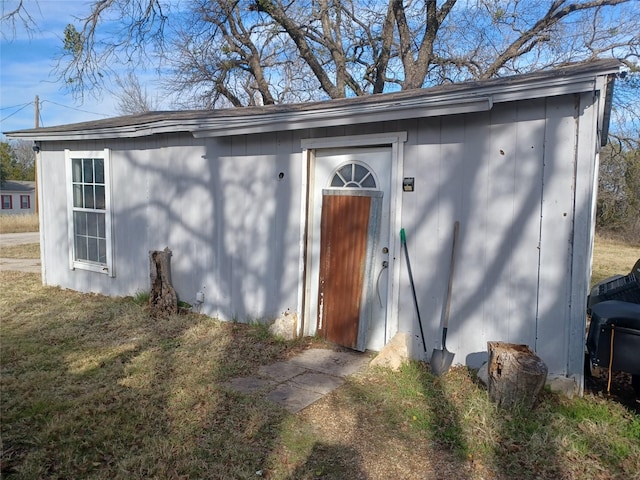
30	250
92	387
611	257
19	223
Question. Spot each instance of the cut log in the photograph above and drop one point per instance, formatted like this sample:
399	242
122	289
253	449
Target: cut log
516	375
162	299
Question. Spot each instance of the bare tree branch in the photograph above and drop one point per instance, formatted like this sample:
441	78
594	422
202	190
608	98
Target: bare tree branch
245	52
536	33
19	14
275	11
133	98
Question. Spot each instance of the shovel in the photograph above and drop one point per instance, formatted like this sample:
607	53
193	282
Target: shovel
403	241
441	359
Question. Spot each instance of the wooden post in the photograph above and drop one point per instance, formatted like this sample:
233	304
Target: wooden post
516	374
35	158
163	299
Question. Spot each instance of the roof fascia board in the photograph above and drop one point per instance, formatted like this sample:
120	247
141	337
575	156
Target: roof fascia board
445	104
282	121
604	111
545	91
328	119
415	108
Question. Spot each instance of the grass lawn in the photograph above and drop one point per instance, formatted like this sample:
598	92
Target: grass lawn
92	387
30	250
19	223
612	257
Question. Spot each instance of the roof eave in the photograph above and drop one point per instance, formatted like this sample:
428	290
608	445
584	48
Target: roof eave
317	119
475	98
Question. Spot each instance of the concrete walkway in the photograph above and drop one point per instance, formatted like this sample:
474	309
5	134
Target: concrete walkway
31	265
7	239
302	380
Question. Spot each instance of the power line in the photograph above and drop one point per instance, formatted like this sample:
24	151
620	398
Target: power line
73	108
16	106
25	105
20	109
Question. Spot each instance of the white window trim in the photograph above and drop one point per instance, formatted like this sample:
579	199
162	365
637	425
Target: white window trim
105	155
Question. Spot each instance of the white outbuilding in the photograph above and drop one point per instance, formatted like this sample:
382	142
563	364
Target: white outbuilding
297	209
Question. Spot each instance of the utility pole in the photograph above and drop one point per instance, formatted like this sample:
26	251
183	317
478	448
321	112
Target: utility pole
35	153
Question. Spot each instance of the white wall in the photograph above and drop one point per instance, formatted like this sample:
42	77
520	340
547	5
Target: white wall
509	178
517	178
218	204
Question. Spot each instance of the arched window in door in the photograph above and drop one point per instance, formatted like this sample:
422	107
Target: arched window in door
353	175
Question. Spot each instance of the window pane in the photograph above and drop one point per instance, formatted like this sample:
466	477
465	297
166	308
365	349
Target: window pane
88	197
101	228
92	249
346	173
81	247
100	203
80	223
77	196
87	164
92	224
337	181
359	173
77	170
369	182
102	251
99	170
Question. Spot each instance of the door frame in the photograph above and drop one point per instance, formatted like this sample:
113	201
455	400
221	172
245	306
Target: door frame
394	140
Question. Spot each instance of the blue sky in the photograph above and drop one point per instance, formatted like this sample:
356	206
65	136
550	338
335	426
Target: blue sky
26	64
27	61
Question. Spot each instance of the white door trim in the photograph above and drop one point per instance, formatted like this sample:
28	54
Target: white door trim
396	141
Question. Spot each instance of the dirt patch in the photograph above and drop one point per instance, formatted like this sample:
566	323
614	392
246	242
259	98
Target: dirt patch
621	390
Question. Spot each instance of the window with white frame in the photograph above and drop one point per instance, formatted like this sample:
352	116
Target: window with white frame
353	175
25	201
89	211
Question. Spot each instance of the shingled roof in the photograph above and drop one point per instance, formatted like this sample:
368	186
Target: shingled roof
440	100
17	186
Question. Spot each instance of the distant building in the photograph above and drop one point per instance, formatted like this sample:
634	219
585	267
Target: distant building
18	197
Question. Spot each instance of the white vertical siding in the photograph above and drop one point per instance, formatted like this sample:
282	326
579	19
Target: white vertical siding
583	230
521	252
218	204
519	179
509	178
53	216
556	234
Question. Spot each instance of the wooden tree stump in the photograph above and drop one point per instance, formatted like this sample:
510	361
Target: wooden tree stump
516	375
163	299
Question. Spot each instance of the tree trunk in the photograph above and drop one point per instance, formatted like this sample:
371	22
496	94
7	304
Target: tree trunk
162	300
516	375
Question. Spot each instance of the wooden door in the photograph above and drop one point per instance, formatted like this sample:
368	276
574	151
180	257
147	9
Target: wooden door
349	224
